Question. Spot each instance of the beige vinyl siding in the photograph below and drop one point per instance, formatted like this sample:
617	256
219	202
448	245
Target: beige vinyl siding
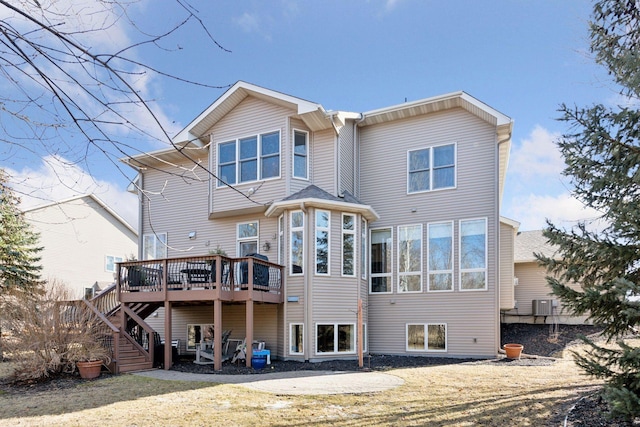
507	240
76	237
346	159
250	117
471	317
323	160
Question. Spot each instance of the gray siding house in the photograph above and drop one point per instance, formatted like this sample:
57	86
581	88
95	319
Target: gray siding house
396	208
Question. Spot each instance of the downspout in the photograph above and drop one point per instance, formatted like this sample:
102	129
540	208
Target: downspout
498	196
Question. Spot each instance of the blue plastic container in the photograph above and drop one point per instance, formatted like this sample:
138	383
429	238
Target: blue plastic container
259	362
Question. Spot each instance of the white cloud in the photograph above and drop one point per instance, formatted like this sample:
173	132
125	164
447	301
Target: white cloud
562	210
57	179
537	156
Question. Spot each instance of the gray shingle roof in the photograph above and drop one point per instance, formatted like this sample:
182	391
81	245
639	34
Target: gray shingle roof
530	242
314	192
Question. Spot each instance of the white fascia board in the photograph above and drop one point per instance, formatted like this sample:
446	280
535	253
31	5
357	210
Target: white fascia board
511	222
276	208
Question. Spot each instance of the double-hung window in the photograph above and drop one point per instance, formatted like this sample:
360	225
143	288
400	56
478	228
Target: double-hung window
381	252
440	256
473	254
154	246
323	224
296	242
431	168
247	238
300	154
410	258
249	159
348	245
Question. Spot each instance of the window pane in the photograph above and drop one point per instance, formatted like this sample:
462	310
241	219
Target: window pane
296	252
227	152
348	241
409	248
270	167
300	143
297	344
443	156
346	338
348	222
409	283
300	166
161	246
440	245
322	252
381	284
325	339
473	280
418	181
419	160
322	219
248	148
228	173
248	170
250	247
297	219
437	337
415	337
443	177
441	282
381	251
249	229
472	244
271	143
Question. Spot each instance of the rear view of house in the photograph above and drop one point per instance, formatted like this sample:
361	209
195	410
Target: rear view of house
275	219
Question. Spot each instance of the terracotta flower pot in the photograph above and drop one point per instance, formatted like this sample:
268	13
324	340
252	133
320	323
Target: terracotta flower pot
513	350
89	370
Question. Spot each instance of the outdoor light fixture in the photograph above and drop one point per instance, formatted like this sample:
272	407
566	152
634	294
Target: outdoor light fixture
266	246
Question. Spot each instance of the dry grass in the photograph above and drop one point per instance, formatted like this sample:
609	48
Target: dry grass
452	395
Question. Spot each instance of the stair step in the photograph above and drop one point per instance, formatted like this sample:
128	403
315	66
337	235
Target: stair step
132	359
131	367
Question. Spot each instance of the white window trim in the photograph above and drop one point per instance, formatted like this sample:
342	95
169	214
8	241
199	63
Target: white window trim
411	273
430	148
281	248
486	255
259	157
291	326
355	244
390	273
426	338
293	154
255	238
364	248
429	271
335	338
292	229
315	243
115	260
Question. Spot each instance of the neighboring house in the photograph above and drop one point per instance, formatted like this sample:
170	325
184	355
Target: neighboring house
82	240
533	302
397	207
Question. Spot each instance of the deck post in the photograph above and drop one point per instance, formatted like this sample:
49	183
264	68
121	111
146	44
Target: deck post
168	349
217	333
249	335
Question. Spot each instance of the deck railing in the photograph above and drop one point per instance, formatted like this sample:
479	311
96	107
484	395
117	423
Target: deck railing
203	272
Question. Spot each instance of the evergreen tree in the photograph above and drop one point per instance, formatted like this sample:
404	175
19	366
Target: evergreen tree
19	268
602	154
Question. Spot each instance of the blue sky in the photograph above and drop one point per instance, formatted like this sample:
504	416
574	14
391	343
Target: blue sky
523	58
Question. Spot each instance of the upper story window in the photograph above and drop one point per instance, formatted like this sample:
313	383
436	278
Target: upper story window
300	154
473	255
380	261
323	219
296	243
247	238
249	159
110	263
410	258
431	168
154	246
348	244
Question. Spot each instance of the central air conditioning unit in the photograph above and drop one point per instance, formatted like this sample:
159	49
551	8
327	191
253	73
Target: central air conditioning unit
543	307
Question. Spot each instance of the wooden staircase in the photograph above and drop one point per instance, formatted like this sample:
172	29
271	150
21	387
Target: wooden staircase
128	355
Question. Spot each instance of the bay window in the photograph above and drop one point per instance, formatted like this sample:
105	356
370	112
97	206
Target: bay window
348	244
296	242
322	241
